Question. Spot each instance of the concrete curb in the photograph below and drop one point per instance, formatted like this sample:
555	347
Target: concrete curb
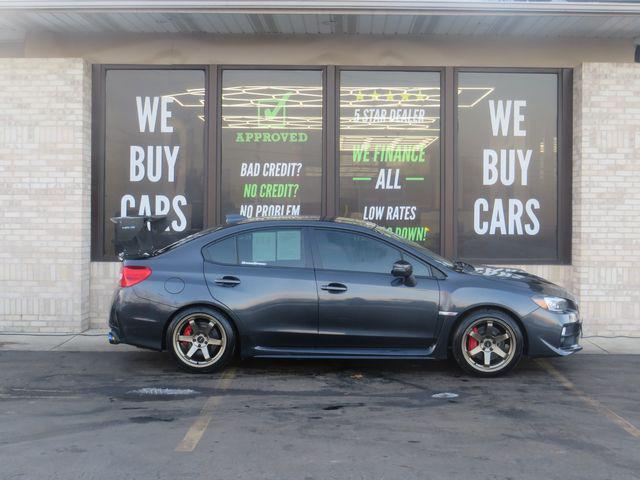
87	341
96	341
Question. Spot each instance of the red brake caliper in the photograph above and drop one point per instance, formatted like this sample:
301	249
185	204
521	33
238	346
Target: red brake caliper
472	342
187	331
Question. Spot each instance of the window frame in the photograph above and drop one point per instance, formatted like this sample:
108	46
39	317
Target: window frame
330	180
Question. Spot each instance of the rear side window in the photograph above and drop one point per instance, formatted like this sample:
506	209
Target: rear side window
224	251
278	247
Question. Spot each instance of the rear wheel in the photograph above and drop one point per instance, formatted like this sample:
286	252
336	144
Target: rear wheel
488	343
201	340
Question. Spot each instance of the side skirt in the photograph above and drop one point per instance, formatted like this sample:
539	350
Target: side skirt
366	353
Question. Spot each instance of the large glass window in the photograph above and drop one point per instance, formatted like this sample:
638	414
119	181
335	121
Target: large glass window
261	144
390	151
154	149
507	166
272	142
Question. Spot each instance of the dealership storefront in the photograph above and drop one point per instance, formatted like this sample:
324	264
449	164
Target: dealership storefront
363	143
495	150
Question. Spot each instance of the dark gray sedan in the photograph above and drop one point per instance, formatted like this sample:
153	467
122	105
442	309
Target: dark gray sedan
334	288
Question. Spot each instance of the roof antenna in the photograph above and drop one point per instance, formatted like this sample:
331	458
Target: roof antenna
234	218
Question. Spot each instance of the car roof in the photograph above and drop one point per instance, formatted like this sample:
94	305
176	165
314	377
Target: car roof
304	219
246	224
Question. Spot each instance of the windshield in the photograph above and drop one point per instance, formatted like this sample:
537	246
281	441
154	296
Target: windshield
433	256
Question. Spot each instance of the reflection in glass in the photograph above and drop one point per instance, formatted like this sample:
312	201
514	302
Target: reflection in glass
507	155
390	151
154	149
271	142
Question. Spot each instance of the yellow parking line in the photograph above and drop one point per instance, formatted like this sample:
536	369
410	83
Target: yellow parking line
623	423
197	429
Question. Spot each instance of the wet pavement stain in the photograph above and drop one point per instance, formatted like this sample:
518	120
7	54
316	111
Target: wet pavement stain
149	419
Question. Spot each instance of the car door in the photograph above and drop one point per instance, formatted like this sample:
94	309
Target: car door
265	277
361	304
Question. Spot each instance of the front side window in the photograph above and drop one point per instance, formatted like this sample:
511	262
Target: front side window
390	151
507	166
154	150
272	142
353	252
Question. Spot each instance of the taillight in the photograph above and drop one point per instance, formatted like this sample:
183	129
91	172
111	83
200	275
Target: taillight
132	275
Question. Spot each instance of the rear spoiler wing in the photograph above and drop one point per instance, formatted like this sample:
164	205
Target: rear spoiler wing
138	237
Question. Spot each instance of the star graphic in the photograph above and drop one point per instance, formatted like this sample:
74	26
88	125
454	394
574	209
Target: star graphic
405	96
390	96
375	95
359	96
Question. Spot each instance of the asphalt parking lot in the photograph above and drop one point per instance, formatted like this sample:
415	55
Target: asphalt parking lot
133	415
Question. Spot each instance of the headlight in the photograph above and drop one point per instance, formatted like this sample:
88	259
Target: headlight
553	304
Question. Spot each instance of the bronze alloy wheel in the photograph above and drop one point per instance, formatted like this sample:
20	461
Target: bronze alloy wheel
488	343
202	340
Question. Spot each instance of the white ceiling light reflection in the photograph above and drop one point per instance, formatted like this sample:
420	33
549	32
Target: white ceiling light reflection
381	142
279	99
191	98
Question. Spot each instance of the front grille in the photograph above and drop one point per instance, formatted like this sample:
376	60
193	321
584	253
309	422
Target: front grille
570	335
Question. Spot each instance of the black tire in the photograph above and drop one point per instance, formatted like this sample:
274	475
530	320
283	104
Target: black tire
487	328
209	332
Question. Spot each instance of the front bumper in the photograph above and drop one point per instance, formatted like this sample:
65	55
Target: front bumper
552	334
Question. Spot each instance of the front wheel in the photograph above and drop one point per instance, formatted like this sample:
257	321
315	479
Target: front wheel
488	343
201	340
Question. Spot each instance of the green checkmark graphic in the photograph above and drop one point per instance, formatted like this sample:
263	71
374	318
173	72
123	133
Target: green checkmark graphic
272	112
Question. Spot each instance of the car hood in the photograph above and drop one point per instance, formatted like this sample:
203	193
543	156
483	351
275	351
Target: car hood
533	282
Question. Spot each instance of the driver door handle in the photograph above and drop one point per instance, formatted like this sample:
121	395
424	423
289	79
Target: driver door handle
334	287
228	281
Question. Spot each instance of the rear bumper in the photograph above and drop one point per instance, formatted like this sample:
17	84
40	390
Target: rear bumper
114	324
135	321
553	334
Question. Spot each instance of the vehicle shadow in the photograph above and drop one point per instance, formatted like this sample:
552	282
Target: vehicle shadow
163	363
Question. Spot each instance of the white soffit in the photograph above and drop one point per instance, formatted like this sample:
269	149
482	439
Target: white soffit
554	18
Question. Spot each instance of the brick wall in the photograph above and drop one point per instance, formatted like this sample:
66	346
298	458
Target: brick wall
104	279
606	190
45	151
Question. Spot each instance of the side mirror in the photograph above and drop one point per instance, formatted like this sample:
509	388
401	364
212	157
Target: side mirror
402	268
